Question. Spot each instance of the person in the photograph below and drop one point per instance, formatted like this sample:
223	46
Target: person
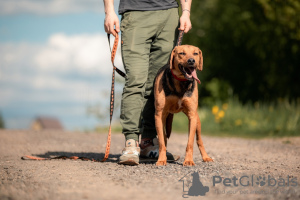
149	31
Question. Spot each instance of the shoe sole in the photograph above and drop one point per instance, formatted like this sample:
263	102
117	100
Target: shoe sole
128	162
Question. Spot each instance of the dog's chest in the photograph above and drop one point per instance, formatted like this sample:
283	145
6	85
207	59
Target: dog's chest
175	105
179	104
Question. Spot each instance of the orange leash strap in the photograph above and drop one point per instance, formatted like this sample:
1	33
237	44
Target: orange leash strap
57	157
112	95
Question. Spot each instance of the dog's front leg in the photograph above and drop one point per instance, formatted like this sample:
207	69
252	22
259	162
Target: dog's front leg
188	161
159	119
204	155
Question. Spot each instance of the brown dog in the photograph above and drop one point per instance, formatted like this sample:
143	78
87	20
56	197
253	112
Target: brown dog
176	90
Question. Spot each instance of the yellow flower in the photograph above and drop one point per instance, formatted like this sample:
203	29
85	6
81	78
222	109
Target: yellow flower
225	106
238	122
221	114
215	110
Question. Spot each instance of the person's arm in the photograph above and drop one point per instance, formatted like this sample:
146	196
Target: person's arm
111	22
185	22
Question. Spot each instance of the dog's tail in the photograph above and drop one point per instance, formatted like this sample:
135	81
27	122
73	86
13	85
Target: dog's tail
169	121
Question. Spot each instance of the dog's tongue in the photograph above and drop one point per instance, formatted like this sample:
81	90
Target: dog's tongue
194	74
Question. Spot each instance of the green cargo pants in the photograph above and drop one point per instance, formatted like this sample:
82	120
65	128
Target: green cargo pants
148	38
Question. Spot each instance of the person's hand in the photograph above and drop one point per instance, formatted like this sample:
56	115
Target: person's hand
111	23
185	22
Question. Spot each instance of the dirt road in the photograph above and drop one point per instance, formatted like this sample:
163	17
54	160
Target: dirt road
242	169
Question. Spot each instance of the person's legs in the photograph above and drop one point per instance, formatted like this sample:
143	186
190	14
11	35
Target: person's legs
139	30
161	49
136	42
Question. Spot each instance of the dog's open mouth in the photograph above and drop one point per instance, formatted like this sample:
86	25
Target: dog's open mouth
189	72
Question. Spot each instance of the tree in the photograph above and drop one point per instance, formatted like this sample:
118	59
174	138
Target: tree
252	47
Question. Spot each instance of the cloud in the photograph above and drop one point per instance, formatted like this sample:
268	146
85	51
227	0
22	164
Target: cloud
62	76
46	7
85	53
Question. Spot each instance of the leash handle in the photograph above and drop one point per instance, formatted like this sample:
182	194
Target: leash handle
179	39
113	52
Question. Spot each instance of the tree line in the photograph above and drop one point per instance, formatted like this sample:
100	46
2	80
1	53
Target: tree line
251	49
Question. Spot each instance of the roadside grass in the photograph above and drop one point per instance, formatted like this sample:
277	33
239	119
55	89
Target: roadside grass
234	119
250	121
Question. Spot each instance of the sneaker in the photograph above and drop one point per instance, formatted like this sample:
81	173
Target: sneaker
130	154
151	152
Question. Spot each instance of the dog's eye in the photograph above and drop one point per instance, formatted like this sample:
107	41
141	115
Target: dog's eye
196	54
182	53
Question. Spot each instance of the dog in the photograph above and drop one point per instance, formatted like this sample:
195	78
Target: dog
176	90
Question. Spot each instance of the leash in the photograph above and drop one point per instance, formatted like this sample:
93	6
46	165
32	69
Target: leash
58	157
179	39
112	99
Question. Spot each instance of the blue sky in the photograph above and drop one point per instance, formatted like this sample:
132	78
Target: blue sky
33	28
54	61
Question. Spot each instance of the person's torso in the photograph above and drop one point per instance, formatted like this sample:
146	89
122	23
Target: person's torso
144	5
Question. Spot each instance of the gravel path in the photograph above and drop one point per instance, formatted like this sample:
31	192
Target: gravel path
273	159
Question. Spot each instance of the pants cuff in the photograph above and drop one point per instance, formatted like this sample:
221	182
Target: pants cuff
131	136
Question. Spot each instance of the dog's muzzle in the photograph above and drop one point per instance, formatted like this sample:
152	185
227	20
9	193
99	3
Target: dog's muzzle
189	72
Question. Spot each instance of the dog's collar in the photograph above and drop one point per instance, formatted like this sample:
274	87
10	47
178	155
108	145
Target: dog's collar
177	78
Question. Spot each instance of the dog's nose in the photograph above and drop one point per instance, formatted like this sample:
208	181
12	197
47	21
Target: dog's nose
191	61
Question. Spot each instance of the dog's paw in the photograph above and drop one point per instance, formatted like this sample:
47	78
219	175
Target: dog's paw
161	163
208	159
188	163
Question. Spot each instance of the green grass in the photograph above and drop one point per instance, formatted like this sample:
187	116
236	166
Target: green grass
251	121
233	119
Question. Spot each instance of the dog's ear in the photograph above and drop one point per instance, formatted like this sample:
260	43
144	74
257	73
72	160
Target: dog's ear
200	64
171	58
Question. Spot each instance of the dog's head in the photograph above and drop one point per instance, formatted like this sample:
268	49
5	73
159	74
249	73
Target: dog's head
186	59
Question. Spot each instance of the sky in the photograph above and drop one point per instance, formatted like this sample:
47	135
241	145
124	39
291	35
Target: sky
55	62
